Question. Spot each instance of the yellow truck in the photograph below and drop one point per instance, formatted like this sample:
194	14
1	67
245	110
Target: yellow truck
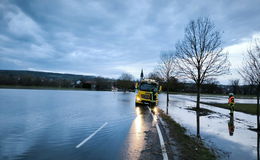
147	92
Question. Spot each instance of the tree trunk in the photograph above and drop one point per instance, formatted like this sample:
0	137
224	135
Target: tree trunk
198	96
167	100
258	88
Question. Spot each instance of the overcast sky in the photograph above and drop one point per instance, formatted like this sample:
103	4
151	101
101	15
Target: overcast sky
108	37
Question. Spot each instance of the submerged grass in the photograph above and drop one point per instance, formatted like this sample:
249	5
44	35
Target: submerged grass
189	147
241	107
201	111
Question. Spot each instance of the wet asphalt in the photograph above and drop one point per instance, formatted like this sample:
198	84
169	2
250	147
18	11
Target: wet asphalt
53	124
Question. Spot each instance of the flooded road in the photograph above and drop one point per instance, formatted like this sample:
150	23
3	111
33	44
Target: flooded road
230	136
53	124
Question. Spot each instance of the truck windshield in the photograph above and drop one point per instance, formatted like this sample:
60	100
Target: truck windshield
148	87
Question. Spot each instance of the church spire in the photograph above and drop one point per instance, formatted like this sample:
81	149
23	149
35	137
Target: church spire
141	75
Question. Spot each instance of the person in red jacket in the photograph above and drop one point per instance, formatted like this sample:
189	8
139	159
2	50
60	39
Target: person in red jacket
231	102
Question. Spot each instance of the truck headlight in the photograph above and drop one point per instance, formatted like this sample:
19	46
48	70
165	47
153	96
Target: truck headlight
138	98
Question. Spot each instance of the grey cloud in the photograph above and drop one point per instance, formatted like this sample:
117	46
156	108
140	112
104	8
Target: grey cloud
108	37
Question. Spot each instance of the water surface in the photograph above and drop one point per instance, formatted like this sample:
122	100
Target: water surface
49	124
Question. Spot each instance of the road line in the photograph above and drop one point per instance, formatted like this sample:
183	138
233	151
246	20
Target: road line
163	148
93	134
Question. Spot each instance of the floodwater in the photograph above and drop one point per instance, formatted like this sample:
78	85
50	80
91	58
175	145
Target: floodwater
230	136
53	124
50	124
223	99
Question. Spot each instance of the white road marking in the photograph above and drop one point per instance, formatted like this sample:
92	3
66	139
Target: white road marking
163	148
93	134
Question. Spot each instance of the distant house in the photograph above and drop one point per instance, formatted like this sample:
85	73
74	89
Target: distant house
78	82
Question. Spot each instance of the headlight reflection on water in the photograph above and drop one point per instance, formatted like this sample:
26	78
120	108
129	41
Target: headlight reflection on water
138	111
138	120
136	135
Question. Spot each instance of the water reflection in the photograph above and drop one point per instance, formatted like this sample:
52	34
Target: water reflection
258	145
135	143
198	123
138	120
231	126
48	124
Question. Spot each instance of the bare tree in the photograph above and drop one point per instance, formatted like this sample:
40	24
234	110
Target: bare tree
200	55
235	85
155	76
165	70
251	70
125	81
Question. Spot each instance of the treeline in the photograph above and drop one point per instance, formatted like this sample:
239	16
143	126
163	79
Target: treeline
27	80
47	79
125	82
13	78
210	87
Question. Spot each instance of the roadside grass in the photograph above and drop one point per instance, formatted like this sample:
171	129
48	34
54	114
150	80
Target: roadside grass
189	147
241	107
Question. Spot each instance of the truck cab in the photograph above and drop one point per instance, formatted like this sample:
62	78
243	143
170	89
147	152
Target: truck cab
147	92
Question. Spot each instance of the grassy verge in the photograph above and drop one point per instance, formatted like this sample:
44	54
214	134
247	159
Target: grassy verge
242	107
189	147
